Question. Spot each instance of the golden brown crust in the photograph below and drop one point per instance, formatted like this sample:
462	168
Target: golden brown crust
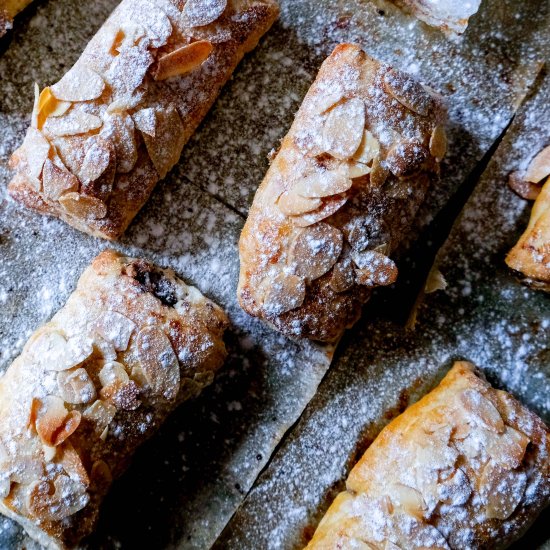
465	467
117	122
337	199
132	342
530	257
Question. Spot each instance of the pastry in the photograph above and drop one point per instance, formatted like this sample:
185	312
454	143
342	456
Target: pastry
530	257
131	343
339	196
8	10
116	123
465	467
451	16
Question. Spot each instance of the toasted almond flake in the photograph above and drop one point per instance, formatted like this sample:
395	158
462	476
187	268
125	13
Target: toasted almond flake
119	129
502	489
83	206
100	414
76	386
322	184
539	168
378	174
54	424
165	148
55	503
153	20
482	410
406	157
375	269
285	292
408	499
96	160
145	121
57	180
324	102
368	150
73	123
103	435
358	170
52	352
113	372
435	281
72	464
343	129
122	395
159	362
49	452
115	328
79	84
438	142
183	60
342	278
203	12
525	189
408	92
105	348
315	250
291	204
128	70
34	116
36	149
49	105
329	206
508	449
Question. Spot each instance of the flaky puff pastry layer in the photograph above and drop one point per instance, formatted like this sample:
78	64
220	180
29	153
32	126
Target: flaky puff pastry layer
339	196
531	255
465	467
116	123
132	342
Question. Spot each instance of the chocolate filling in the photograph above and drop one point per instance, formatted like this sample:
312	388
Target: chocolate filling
153	280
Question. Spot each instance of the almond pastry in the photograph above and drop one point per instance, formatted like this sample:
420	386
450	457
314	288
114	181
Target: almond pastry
530	257
116	123
338	197
465	467
132	342
449	15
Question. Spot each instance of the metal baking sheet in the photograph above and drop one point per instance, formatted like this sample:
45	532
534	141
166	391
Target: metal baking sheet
187	483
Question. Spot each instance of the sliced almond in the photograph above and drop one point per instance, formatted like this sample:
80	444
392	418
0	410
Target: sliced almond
406	157
435	281
502	489
53	352
183	60
539	168
159	362
203	12
104	348
49	105
113	373
408	499
408	92
438	142
101	476
378	174
285	292
165	148
115	328
123	396
75	122
315	250
508	448
49	452
146	121
83	206
329	206
483	411
119	129
292	204
56	502
79	84
375	269
455	490
368	150
96	160
153	20
34	115
322	184
72	464
36	149
343	277
54	424
358	170
525	189
325	101
76	386
100	414
343	129
57	180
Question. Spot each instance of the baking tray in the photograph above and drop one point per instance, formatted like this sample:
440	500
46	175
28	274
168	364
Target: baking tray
187	484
